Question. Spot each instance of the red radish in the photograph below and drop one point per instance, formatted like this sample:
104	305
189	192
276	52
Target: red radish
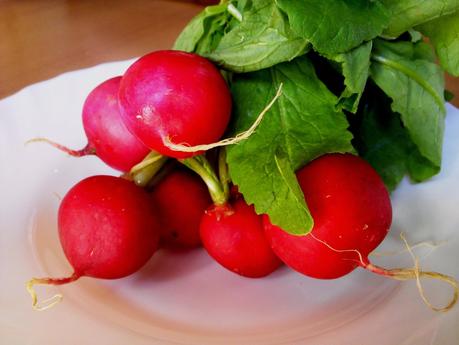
107	228
233	236
181	198
352	214
175	96
231	231
108	137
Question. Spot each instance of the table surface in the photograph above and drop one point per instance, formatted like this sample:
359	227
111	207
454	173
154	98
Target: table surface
43	38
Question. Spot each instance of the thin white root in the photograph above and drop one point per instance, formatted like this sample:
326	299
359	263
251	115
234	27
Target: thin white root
427	244
362	262
184	147
417	272
47	303
39	140
50	302
406	273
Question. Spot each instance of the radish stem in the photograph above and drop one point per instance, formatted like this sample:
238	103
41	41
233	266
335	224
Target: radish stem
143	172
201	166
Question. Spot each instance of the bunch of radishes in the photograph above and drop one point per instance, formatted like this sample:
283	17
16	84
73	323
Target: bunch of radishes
109	227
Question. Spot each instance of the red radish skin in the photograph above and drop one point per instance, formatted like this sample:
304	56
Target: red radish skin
107	227
176	96
108	138
233	236
352	214
181	198
106	132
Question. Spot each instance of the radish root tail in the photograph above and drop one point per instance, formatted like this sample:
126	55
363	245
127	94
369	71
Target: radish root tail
184	147
74	153
405	273
426	244
417	273
52	301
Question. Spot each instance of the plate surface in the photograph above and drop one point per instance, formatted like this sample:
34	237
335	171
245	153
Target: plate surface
185	297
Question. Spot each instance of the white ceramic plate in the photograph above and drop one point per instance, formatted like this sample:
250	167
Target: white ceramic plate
186	298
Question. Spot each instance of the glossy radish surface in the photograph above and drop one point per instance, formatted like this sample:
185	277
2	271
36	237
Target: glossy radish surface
181	198
177	96
107	135
233	236
352	213
107	227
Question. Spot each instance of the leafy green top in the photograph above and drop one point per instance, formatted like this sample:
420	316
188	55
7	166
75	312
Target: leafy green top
356	78
301	126
335	26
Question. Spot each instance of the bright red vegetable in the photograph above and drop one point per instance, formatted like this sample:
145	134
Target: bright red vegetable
181	198
107	227
233	236
108	137
352	214
175	96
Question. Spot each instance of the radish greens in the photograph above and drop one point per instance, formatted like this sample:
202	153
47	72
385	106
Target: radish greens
357	77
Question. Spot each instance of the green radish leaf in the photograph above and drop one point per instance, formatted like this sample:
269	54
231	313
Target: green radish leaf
444	36
406	73
381	139
355	67
261	40
407	14
204	31
335	26
302	125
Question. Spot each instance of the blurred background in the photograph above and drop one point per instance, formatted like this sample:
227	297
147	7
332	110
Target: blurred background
40	39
